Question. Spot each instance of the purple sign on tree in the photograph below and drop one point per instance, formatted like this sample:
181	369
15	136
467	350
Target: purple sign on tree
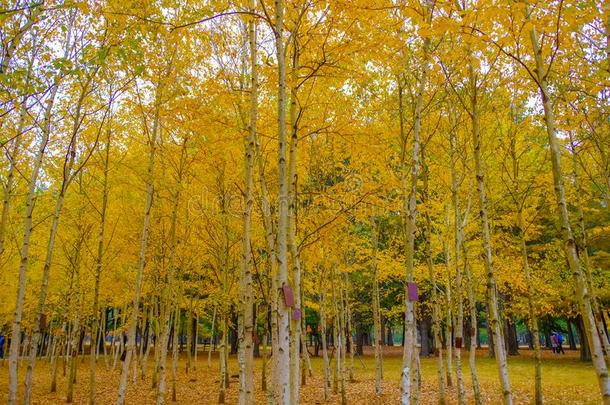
296	314
412	290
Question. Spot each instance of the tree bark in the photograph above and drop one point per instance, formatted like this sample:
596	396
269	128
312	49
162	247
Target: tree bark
13	158
282	355
323	336
131	342
169	294
175	339
436	324
571	339
580	285
410	207
492	295
25	246
246	319
584	249
376	316
474	341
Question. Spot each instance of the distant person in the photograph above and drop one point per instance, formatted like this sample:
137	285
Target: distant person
2	345
554	342
560	343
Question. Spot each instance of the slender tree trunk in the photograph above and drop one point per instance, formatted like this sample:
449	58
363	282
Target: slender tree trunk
472	304
532	312
492	294
73	358
169	294
246	316
323	335
584	251
212	337
295	324
25	246
449	311
350	339
306	363
114	330
571	338
68	164
416	377
376	316
282	355
458	238
143	328
133	322
13	158
189	336
436	325
583	293
168	315
410	205
175	351
196	348
272	261
76	337
99	264
533	319
144	359
224	347
53	387
341	345
336	332
222	354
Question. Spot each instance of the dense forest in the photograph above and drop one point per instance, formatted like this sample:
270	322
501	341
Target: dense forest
264	183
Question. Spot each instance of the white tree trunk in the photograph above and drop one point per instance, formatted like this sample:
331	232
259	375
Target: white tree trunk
583	293
458	238
410	205
436	325
295	276
323	336
376	316
68	176
25	248
246	317
212	337
131	342
175	344
492	294
472	303
282	355
169	294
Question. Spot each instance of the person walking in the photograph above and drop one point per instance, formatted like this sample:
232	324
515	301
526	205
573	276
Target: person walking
560	343
554	342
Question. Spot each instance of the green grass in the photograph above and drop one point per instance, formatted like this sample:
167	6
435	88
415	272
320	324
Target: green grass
565	379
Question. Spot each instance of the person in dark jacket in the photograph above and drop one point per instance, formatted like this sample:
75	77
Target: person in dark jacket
560	343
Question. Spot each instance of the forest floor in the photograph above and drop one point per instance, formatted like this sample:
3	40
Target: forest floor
566	380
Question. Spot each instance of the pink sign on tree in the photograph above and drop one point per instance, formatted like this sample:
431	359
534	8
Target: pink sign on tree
288	296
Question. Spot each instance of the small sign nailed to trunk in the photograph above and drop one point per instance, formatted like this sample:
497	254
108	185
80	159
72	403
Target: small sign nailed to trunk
296	314
288	296
412	290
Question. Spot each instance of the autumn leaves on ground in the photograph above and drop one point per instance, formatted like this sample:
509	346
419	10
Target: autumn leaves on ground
567	381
